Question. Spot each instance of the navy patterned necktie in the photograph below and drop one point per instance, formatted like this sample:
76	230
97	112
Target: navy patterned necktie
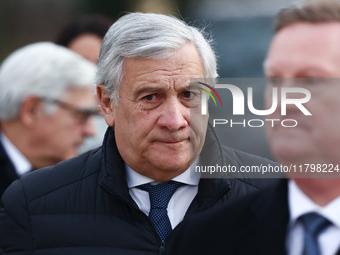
160	196
314	225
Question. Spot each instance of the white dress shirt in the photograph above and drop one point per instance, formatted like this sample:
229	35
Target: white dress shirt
300	204
180	200
21	164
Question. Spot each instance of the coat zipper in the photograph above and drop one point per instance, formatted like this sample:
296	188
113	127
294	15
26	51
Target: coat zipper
162	248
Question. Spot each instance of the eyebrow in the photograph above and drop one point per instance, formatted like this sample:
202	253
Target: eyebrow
156	89
194	85
147	89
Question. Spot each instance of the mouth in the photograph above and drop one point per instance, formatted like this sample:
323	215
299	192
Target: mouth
173	142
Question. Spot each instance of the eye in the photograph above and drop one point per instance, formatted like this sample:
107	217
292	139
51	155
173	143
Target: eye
151	101
150	97
188	94
274	81
310	81
190	99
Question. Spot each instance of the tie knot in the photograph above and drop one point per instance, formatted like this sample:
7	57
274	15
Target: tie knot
314	223
160	194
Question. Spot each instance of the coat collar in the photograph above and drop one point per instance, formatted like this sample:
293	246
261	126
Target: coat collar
113	166
209	190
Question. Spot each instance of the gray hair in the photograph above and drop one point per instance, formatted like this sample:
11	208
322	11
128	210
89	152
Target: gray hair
148	36
42	70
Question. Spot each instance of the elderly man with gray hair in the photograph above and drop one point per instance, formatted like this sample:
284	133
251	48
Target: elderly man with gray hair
128	196
46	99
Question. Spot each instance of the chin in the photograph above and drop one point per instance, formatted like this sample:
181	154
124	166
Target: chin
178	162
71	155
289	155
287	134
289	145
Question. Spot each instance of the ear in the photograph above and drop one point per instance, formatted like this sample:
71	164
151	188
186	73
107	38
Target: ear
108	107
31	111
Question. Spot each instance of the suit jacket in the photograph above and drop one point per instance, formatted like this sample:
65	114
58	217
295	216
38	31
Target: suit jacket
256	225
7	170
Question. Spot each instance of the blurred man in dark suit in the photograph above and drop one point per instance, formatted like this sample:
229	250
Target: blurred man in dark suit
46	99
301	215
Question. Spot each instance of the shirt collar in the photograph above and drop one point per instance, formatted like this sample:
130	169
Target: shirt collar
300	203
20	162
135	179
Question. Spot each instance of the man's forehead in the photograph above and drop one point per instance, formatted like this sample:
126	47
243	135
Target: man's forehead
171	72
181	58
315	40
80	96
323	31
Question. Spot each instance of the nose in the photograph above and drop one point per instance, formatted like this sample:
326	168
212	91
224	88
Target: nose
89	128
174	116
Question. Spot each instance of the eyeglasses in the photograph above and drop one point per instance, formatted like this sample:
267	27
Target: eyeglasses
81	115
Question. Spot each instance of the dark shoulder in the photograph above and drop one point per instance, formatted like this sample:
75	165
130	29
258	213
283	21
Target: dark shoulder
253	225
49	179
248	171
214	232
244	158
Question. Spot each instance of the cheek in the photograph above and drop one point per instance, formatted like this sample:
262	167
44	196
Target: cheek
270	102
326	117
51	129
65	137
64	133
133	126
326	126
198	129
198	124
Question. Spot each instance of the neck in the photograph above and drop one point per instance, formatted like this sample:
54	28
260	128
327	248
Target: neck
320	191
21	138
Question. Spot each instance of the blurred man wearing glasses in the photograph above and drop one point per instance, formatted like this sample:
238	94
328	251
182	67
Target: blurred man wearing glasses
46	99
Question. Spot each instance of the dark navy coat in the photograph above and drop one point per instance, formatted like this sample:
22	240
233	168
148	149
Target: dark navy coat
82	205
